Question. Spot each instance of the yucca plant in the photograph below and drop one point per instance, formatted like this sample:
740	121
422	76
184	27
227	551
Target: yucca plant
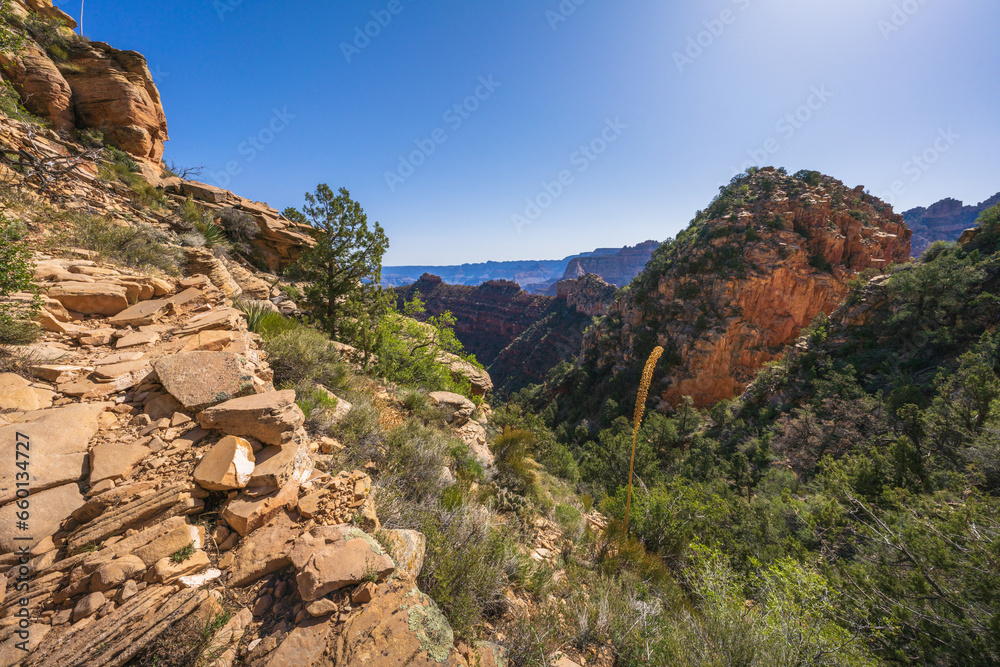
640	410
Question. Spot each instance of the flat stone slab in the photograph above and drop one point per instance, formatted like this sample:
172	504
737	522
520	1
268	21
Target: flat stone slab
57	447
142	313
91	298
16	393
137	338
114	461
200	380
271	418
48	510
224	318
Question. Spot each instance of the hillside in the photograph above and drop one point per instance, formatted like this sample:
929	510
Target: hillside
741	282
943	221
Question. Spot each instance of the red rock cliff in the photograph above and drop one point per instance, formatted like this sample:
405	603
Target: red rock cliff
733	289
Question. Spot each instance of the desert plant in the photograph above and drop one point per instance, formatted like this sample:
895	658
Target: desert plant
303	354
240	227
16	275
139	246
640	409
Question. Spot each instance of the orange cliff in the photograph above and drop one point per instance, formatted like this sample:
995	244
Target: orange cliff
77	85
737	287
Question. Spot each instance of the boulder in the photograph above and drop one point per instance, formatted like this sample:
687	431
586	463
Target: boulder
329	558
264	551
202	379
303	646
245	515
407	548
400	626
91	298
116	572
88	606
16	393
114	461
167	570
271	417
474	435
458	408
228	465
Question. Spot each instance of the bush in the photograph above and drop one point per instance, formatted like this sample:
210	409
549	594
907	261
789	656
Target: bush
303	354
16	275
241	228
139	246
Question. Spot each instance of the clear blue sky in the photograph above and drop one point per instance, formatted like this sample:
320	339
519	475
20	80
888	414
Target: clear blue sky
885	85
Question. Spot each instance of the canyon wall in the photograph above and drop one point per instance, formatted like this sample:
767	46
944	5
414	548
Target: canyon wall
943	221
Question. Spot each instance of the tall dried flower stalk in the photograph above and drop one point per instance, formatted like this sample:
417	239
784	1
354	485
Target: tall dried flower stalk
640	410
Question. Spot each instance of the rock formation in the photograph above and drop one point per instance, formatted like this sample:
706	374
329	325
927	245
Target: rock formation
80	85
739	284
943	221
617	267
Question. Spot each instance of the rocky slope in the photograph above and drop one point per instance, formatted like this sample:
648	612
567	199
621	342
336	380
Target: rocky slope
80	85
146	420
943	221
741	282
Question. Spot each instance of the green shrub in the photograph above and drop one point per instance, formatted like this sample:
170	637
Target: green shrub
16	275
139	246
303	354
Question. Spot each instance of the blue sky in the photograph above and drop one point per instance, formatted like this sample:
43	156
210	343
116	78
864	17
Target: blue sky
581	123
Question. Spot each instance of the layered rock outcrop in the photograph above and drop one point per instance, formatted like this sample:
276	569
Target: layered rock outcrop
743	281
616	268
78	85
943	221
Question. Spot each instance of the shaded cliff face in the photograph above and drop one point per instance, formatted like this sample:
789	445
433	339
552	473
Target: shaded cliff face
943	221
742	281
617	268
78	85
518	336
489	316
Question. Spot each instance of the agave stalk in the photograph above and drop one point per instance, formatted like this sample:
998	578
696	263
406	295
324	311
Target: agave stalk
640	410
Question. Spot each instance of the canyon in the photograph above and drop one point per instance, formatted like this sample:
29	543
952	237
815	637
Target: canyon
943	221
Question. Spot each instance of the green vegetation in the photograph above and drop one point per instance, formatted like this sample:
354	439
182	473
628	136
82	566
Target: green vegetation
16	276
844	511
117	165
183	553
345	266
136	245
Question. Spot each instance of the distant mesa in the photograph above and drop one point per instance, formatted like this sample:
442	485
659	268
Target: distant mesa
617	266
